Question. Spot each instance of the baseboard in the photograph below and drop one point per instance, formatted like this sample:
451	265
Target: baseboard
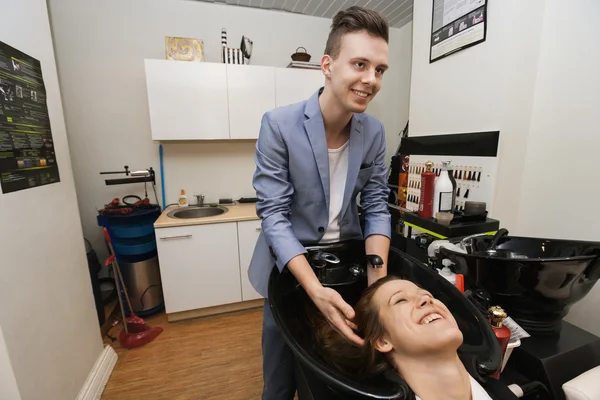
208	311
96	380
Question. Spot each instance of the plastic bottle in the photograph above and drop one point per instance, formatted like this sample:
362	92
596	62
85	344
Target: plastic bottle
183	200
496	317
460	283
403	180
447	273
427	186
443	194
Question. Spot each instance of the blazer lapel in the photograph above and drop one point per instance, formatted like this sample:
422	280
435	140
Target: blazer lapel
354	159
315	128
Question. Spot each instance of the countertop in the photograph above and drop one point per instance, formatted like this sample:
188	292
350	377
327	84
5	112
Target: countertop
236	212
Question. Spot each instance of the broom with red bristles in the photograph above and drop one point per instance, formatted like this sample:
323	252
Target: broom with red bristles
136	332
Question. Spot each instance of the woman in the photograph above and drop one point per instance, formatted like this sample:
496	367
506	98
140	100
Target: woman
408	331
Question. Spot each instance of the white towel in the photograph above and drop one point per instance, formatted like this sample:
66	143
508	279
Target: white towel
434	248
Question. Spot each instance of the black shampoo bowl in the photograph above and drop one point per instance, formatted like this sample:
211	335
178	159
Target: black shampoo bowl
480	351
535	280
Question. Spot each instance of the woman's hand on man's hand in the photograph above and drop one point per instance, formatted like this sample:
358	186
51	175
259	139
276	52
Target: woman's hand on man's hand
337	311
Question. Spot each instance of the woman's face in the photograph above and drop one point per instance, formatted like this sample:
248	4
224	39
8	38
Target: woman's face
415	323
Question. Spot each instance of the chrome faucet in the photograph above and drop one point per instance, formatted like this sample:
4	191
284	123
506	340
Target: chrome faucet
467	242
320	260
199	200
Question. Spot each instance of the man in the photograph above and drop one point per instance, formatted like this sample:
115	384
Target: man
312	160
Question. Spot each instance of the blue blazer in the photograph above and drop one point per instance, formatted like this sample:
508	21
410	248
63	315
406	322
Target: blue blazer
292	185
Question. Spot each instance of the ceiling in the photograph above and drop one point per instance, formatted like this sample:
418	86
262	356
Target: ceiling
397	12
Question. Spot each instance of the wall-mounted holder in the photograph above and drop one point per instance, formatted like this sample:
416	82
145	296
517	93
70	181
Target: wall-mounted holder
473	159
132	176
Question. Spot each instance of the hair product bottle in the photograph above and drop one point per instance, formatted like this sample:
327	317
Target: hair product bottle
427	188
443	199
497	315
403	180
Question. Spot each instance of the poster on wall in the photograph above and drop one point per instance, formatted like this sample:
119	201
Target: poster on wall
27	157
456	25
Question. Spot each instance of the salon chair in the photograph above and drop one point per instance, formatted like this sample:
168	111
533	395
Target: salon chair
343	267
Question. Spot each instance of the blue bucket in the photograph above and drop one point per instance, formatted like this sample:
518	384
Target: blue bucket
132	234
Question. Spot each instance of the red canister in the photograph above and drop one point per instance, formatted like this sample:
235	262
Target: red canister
427	188
497	316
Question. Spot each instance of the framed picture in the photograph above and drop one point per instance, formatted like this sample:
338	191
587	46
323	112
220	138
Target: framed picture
456	26
184	49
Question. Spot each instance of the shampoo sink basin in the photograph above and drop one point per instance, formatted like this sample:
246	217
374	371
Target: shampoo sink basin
535	280
196	212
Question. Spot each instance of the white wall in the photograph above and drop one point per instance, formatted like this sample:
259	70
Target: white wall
483	88
100	49
47	310
460	93
560	192
535	79
8	383
394	97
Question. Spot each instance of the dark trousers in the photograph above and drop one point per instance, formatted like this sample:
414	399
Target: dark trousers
278	361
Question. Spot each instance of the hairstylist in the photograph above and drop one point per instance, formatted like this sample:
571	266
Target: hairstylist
312	160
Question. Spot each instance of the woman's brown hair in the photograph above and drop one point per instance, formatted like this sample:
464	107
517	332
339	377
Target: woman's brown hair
354	361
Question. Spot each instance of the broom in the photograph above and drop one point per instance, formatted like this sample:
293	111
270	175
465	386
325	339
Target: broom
136	332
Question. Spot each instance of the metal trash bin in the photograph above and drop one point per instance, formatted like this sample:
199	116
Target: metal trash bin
142	280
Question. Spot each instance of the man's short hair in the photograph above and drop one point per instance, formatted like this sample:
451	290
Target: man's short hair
355	19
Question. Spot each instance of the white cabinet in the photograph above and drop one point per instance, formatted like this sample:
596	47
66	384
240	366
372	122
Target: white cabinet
293	84
212	101
187	100
251	93
199	266
248	232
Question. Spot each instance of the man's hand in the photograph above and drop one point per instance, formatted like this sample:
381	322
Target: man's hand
331	304
337	311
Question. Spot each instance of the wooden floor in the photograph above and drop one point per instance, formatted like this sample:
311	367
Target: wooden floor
210	358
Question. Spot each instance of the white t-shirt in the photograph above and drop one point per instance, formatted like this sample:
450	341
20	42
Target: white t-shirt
338	171
477	391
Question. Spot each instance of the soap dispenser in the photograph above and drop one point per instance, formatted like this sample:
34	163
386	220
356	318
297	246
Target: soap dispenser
447	273
183	200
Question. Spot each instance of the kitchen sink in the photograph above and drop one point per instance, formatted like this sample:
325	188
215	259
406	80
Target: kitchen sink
197	212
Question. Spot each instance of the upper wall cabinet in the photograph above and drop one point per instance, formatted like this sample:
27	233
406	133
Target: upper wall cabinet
208	101
294	85
187	100
251	92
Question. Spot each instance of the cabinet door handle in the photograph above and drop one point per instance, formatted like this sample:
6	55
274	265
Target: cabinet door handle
189	235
